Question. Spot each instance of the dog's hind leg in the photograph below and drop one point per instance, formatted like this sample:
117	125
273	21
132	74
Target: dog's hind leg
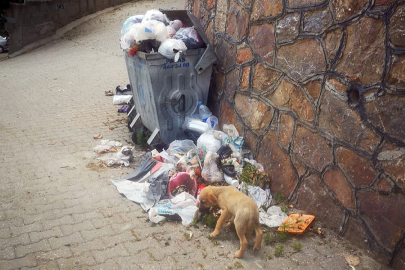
259	234
241	231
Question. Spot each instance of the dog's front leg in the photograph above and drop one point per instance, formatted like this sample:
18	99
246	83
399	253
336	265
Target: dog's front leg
225	215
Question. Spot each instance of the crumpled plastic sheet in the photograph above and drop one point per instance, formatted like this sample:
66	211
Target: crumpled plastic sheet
273	217
123	157
184	205
260	196
149	189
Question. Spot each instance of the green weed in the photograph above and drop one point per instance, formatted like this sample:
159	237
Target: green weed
210	220
297	246
269	239
278	251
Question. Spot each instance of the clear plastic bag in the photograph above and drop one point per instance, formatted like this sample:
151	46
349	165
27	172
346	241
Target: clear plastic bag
131	21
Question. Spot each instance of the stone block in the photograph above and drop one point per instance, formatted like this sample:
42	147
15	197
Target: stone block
299	166
314	199
316	22
358	169
261	38
396	30
226	53
364	61
227	115
384	215
303	3
264	78
277	164
384	185
338	120
210	3
313	149
250	141
354	230
387	113
245	78
339	185
220	16
218	86
210	33
244	54
334	85
238	19
346	9
288	27
231	82
396	74
285	129
302	59
292	97
266	8
383	2
332	39
391	159
313	88
255	113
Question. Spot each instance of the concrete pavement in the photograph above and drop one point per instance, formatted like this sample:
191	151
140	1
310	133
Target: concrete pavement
60	211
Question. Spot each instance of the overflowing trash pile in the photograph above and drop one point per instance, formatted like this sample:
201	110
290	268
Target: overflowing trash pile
169	182
154	33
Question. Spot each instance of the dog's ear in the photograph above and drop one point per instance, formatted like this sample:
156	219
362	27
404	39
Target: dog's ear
212	199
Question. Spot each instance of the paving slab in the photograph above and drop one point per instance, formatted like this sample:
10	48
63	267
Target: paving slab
58	208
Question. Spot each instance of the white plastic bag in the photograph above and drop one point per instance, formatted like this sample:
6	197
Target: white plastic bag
273	218
184	205
121	99
172	48
210	171
135	191
155	15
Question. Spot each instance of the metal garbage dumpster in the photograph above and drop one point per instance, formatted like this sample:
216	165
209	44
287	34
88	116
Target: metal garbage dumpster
165	91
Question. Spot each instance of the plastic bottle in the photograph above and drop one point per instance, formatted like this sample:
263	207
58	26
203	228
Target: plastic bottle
204	112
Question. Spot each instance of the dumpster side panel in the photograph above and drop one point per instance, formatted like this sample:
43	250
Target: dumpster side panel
165	91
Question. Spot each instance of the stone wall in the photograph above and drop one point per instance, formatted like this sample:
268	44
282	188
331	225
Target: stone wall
317	88
39	19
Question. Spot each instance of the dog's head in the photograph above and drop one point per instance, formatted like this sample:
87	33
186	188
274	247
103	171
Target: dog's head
208	198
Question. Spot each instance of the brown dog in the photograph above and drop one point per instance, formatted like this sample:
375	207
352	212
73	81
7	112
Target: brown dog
238	206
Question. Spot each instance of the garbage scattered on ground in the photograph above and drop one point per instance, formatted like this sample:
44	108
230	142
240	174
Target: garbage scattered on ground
113	153
168	182
154	33
296	223
124	109
273	217
98	136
